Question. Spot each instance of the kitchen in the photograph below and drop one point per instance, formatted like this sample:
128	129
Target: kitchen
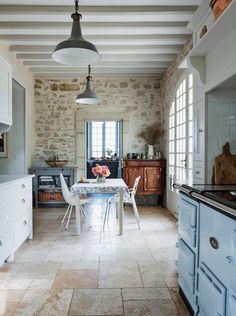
54	124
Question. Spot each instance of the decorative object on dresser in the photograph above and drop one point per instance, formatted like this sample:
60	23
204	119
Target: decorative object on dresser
152	174
47	185
151	134
54	161
218	6
15	214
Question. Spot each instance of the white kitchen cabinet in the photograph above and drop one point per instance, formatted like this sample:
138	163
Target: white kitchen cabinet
5	92
15	214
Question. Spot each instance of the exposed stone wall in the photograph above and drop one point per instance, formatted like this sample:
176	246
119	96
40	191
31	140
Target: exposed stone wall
168	84
60	121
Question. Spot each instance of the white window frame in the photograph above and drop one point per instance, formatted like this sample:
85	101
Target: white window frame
180	136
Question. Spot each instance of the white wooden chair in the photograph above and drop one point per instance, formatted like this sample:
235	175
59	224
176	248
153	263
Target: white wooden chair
129	198
70	199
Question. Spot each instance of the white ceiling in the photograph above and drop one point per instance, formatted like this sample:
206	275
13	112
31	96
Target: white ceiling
134	37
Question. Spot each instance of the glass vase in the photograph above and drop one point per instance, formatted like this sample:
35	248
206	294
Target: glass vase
100	178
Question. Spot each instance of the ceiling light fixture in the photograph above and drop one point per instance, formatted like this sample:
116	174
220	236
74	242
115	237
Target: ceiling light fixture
76	51
88	96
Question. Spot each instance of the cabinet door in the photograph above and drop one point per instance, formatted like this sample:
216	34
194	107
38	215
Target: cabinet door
211	294
5	92
153	179
131	174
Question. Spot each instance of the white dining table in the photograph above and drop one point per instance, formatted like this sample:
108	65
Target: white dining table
92	186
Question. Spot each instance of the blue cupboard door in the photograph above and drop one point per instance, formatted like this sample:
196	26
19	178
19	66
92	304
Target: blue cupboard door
211	294
232	261
186	269
187	221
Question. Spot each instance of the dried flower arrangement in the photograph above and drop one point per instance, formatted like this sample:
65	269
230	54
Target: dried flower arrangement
151	134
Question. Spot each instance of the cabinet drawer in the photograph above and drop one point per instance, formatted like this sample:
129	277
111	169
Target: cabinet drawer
6	215
6	246
23	228
23	206
186	268
23	188
188	221
211	294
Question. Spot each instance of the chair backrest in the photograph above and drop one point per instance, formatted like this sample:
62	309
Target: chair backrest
134	189
65	191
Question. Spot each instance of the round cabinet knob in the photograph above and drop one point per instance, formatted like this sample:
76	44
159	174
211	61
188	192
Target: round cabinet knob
23	201
24	223
230	259
214	242
0	243
197	172
23	186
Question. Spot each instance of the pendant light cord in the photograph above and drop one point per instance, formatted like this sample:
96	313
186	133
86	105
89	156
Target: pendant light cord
89	71
76	16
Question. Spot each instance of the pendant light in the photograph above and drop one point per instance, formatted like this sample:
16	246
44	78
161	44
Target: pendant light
88	96
76	51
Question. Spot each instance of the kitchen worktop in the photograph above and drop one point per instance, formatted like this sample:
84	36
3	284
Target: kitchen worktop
4	178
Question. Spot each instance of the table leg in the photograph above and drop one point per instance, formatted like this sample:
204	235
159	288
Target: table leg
77	214
121	211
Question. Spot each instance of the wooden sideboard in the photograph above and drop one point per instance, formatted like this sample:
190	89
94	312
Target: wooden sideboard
152	174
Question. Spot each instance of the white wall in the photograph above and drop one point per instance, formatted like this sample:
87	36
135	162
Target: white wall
25	78
221	119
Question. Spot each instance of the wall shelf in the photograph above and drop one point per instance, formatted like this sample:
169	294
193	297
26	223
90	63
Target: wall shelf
217	32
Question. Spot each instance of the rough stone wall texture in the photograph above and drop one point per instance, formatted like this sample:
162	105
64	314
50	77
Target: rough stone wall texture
168	84
57	114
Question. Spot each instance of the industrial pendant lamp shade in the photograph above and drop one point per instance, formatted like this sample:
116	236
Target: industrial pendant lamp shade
88	96
76	51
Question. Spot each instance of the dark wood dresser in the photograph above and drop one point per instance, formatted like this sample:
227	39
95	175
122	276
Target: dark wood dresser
152	174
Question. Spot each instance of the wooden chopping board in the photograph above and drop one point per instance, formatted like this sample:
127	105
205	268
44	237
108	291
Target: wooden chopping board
224	171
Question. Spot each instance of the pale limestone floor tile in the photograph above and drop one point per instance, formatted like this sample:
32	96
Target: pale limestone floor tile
125	254
150	308
96	302
119	275
79	265
65	253
4	282
45	270
11	295
7	308
146	294
8	270
76	279
44	303
41	284
19	284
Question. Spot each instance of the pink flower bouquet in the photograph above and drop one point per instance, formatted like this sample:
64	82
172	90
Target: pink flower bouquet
101	172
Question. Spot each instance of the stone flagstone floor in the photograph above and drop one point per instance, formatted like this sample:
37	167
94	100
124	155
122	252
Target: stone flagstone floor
98	273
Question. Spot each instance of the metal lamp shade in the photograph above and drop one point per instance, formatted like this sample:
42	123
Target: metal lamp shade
88	96
76	51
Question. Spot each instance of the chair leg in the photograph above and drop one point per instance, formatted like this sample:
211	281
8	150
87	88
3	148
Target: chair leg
136	213
109	210
68	220
66	213
82	213
106	214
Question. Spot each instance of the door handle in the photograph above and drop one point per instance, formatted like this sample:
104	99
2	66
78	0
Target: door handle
230	259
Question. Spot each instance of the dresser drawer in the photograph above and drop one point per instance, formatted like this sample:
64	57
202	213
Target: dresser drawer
23	187
6	246
6	214
22	230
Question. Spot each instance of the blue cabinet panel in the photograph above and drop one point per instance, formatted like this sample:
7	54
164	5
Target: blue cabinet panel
211	294
188	221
